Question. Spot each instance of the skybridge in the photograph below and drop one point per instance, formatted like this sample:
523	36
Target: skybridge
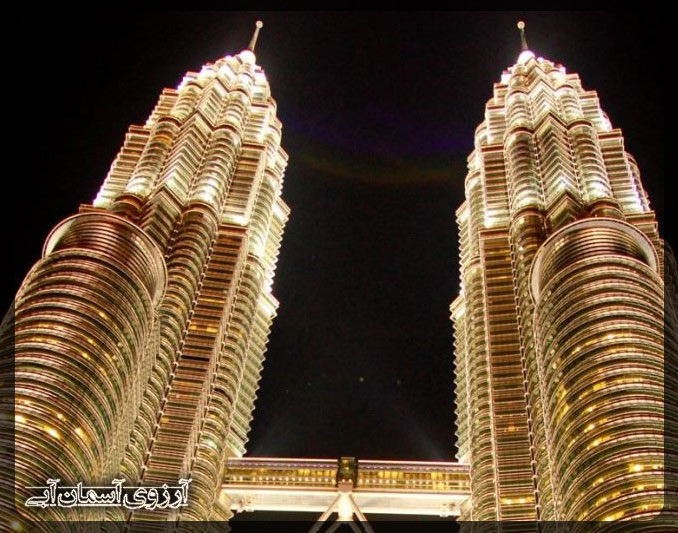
347	488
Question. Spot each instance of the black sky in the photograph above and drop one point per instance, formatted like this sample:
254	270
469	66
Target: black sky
378	114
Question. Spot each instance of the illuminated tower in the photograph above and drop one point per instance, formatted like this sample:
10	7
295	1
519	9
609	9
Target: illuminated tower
140	334
559	326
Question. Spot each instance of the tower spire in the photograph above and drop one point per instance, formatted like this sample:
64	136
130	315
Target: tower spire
523	40
525	54
255	36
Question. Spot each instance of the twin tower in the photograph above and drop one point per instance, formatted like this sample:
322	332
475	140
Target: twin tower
139	335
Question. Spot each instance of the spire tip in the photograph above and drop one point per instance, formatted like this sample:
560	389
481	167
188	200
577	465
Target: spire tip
253	42
523	40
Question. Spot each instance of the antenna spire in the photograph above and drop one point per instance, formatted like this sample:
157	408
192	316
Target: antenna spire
523	40
253	41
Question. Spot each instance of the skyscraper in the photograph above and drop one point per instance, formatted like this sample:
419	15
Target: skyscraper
139	336
559	327
130	293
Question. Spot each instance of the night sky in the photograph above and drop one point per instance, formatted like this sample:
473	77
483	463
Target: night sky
378	113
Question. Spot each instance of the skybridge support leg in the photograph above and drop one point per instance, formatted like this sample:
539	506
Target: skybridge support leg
345	507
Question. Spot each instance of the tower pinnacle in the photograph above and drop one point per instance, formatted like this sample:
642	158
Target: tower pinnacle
526	54
255	36
523	40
